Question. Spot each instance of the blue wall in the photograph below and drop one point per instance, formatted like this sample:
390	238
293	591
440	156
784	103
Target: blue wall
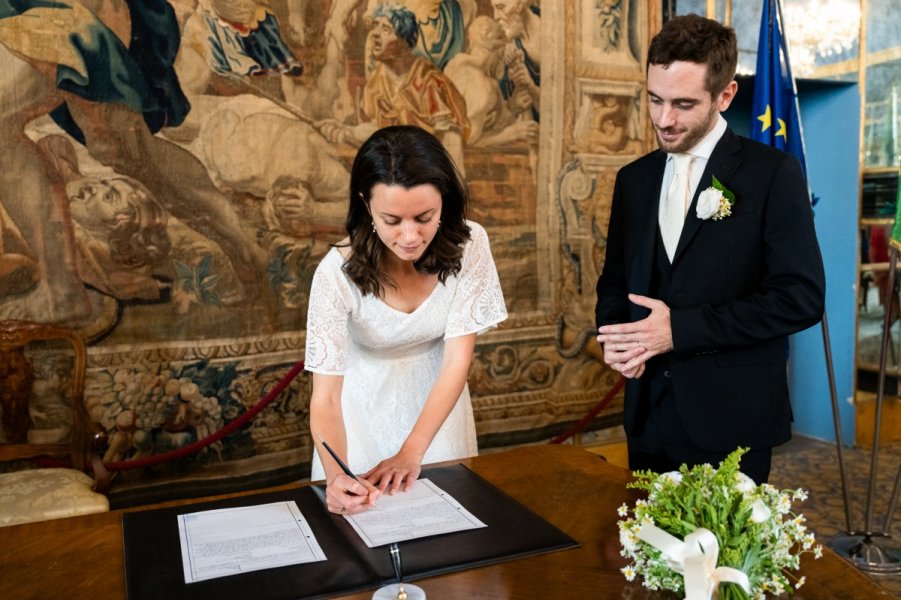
830	114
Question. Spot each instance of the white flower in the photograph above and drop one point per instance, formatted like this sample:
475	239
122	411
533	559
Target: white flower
744	484
760	512
784	504
709	203
715	202
628	540
673	476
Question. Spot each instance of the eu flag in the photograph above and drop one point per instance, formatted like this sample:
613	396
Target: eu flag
775	118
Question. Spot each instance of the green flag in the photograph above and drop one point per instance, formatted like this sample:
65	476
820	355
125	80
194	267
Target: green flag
896	228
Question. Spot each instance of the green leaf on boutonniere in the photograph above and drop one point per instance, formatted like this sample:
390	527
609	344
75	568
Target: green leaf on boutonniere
727	193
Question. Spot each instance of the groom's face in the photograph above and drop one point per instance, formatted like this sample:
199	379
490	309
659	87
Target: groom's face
682	109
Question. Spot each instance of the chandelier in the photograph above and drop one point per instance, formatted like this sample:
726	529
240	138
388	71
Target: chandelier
818	28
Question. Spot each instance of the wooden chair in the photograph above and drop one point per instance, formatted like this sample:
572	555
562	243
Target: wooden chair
29	491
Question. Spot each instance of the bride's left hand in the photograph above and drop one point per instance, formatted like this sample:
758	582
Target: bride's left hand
402	469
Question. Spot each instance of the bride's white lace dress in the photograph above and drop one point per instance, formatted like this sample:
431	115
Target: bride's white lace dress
390	359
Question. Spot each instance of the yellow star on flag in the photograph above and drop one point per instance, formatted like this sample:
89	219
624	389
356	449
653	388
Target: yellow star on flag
766	118
783	130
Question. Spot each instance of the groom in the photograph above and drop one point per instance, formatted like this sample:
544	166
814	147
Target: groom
696	299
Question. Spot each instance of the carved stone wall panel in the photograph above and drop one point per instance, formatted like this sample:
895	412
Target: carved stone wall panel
605	126
610	118
611	38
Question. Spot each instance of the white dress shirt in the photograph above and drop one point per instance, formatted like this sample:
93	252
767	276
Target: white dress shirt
701	153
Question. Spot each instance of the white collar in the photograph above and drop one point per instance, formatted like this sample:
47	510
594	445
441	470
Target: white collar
704	148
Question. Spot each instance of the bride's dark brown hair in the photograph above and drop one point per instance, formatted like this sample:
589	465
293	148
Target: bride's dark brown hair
407	156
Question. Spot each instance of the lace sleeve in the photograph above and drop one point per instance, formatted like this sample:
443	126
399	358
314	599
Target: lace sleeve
327	314
478	303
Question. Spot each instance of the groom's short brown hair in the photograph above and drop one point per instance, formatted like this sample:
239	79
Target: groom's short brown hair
695	39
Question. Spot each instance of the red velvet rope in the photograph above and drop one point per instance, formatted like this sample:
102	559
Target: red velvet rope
245	418
591	413
279	387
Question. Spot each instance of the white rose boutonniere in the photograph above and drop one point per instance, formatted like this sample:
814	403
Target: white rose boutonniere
715	202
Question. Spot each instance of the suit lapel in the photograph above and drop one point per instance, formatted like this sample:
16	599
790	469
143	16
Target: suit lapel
722	164
648	234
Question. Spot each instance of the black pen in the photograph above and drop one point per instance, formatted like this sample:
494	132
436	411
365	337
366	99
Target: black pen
338	460
344	468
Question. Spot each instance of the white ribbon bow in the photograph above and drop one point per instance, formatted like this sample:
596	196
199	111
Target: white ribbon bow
696	559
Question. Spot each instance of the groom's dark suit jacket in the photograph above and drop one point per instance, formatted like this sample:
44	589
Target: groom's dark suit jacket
737	288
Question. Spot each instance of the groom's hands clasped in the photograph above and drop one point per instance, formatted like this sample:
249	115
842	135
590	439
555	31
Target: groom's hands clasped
628	346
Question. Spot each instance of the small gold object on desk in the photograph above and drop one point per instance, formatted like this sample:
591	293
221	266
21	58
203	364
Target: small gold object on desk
398	591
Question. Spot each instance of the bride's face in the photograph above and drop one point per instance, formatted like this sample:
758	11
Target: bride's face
406	219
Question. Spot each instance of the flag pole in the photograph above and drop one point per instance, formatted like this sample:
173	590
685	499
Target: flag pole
794	83
860	548
824	323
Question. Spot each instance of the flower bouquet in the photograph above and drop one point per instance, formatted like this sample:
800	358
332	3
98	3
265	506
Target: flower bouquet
714	533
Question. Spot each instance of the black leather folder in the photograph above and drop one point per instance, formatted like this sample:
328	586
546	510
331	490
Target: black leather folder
153	565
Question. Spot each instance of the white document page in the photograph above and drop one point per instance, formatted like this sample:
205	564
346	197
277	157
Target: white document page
228	541
423	511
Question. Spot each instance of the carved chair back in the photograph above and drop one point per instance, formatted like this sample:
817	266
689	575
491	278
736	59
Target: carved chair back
32	392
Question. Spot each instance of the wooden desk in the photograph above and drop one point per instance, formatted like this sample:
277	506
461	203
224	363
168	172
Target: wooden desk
82	557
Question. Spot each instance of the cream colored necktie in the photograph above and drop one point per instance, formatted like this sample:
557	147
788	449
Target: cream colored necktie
675	205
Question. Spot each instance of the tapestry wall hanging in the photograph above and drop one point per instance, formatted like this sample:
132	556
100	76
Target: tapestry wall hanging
174	171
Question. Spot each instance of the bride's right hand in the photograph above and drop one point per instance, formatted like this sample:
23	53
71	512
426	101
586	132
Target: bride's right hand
345	495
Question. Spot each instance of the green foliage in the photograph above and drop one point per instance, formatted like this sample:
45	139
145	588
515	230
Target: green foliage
200	282
726	192
754	526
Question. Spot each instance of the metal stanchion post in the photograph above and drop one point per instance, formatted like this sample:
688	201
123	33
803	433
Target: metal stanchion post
893	503
836	421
